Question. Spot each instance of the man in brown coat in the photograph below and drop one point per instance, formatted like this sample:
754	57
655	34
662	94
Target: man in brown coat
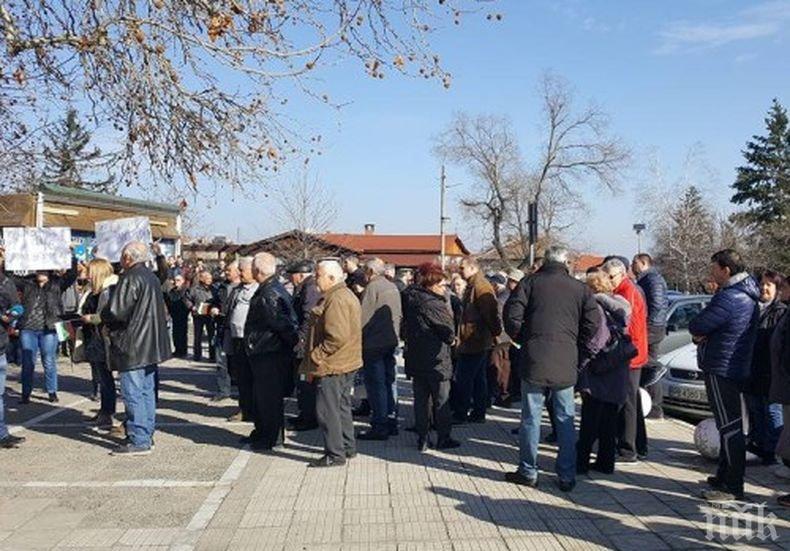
477	335
334	354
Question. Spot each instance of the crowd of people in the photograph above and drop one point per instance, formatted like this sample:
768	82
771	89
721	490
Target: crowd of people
330	332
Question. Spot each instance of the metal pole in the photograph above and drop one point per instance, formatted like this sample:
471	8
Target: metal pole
443	191
639	242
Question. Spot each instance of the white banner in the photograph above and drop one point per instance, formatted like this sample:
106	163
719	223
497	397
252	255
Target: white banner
113	235
31	249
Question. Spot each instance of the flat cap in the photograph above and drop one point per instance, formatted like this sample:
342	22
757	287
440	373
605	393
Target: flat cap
301	267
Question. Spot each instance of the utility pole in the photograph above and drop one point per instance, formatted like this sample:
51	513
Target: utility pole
442	217
639	228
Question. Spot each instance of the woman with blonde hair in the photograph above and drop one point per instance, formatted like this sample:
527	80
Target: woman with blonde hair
602	381
102	280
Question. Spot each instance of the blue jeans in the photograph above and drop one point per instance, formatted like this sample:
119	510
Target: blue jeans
137	388
471	386
3	366
532	399
47	342
379	373
765	423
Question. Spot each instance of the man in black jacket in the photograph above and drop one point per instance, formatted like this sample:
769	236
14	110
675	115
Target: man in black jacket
306	297
139	342
553	317
654	286
8	298
219	312
270	334
201	296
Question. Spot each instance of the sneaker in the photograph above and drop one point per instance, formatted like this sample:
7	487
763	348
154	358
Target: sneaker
627	459
104	421
237	417
351	454
219	398
518	478
566	485
129	450
716	483
721	496
781	471
448	444
24	399
11	441
327	461
422	445
373	435
53	397
118	431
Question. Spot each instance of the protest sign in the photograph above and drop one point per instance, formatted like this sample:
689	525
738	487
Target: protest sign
113	235
31	249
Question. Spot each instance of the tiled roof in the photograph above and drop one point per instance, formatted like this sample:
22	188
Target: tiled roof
382	244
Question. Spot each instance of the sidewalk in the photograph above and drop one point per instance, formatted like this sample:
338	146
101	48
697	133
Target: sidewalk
200	490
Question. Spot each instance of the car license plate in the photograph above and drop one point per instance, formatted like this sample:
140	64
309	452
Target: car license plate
689	394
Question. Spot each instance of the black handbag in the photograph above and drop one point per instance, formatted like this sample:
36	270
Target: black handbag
619	351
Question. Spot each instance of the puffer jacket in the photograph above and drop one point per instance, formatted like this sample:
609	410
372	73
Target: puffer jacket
480	321
429	331
728	325
50	295
137	322
655	288
760	380
271	326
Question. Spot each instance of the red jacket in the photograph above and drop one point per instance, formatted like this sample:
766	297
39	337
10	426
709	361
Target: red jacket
637	326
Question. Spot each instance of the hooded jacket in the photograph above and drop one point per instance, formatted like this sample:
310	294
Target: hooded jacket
728	325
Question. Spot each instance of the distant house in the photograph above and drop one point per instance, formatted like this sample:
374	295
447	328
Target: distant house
79	209
491	261
404	251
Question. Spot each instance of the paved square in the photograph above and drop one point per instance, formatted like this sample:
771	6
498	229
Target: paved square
200	490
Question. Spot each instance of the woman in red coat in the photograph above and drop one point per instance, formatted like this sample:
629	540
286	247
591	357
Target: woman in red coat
633	436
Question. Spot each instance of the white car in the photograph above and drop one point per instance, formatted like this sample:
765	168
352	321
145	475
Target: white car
682	309
684	387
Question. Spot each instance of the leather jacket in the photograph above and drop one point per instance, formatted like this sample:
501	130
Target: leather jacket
137	322
271	326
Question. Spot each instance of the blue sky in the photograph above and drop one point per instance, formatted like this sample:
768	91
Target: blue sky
670	74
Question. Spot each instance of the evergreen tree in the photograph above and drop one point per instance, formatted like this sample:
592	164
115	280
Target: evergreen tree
763	185
67	157
685	241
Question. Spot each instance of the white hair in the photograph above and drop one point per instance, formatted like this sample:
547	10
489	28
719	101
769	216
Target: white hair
332	268
614	266
244	262
375	266
265	263
557	254
135	251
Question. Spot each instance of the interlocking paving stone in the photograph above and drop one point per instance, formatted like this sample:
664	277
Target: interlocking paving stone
388	498
92	537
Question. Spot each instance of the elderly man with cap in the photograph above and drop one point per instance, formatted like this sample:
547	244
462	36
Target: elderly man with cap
306	296
500	367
